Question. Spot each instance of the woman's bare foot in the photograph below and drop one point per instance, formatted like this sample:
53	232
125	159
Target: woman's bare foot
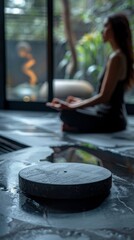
67	128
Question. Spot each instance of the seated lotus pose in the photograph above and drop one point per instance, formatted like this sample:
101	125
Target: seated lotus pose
105	112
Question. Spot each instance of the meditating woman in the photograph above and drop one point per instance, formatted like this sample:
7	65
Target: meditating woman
105	112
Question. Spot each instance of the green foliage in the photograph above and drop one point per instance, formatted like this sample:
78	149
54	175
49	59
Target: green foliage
90	55
25	20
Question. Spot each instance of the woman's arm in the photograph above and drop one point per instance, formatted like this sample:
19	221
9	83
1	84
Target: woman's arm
112	75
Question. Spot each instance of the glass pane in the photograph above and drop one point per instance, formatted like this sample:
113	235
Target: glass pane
25	33
80	54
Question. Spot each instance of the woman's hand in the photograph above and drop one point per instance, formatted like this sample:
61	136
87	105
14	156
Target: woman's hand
71	99
54	104
69	104
58	104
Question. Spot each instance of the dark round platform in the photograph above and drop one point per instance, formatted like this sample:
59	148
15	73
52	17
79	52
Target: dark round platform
65	181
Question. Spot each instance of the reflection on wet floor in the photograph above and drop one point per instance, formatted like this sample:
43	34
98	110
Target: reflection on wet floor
73	154
84	153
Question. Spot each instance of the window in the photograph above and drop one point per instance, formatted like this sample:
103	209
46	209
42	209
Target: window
26	49
54	48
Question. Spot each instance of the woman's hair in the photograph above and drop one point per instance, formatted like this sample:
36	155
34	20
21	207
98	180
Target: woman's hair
123	37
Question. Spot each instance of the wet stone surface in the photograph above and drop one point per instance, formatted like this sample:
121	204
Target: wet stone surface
26	217
34	214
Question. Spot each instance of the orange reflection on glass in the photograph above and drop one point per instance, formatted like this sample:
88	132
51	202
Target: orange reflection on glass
24	51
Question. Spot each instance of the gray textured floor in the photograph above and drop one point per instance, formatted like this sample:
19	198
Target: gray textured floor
37	136
44	129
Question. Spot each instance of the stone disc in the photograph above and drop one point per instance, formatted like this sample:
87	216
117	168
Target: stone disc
65	181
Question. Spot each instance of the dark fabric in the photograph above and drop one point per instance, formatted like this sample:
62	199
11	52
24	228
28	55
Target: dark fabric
87	121
103	118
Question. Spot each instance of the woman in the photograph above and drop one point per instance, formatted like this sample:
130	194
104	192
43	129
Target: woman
104	112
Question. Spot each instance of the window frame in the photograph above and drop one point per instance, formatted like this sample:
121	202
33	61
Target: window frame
20	105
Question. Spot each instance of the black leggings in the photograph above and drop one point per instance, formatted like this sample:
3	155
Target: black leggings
86	121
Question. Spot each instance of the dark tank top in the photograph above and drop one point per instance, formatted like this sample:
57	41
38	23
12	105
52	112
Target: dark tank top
116	103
